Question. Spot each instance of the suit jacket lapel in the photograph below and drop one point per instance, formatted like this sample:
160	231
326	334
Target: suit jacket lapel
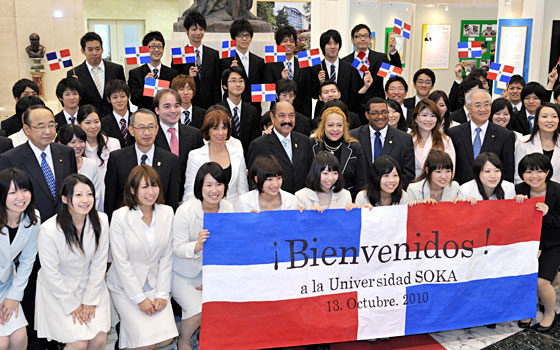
365	141
87	79
388	142
134	219
466	134
158	160
34	168
58	165
5	248
489	138
161	140
296	154
345	155
278	149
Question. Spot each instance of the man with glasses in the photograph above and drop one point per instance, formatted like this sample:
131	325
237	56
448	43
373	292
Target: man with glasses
424	80
144	127
396	89
479	135
155	69
377	139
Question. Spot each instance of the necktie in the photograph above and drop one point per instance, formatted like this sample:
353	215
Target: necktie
377	147
287	147
198	61
173	142
290	72
47	172
155	73
514	109
333	73
245	62
531	120
143	159
124	131
72	120
477	144
235	123
97	80
187	115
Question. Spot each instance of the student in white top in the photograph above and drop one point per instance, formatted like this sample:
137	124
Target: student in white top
139	278
72	302
265	178
435	184
384	185
325	188
19	230
210	185
488	182
501	114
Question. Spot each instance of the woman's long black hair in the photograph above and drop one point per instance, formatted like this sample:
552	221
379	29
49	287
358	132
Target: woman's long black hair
21	181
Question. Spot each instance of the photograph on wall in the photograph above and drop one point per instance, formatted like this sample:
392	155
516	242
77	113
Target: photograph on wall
485	64
436	40
400	43
471	30
469	65
489	30
294	13
484	31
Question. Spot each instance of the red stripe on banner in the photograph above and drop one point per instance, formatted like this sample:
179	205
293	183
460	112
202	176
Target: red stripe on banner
255	325
504	222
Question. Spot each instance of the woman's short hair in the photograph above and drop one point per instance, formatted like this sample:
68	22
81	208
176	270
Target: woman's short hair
67	132
262	168
382	166
324	161
498	105
214	119
535	130
436	160
181	80
216	171
320	133
21	181
132	184
535	161
478	165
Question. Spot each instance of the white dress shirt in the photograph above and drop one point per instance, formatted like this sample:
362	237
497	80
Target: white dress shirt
139	155
281	138
483	127
100	72
167	133
68	116
118	118
329	64
38	152
244	60
231	107
383	133
183	114
158	67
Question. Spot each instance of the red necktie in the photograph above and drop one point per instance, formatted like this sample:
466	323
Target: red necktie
173	142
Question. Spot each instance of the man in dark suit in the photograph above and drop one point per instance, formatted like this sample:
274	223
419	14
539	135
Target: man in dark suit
533	95
21	106
292	149
456	97
115	123
68	92
206	69
286	90
245	121
513	92
186	88
22	88
377	139
47	164
287	36
462	115
252	65
155	69
5	144
174	136
144	127
94	73
479	135
424	80
328	91
396	89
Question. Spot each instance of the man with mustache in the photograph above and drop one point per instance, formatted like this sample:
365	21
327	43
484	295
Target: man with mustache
292	149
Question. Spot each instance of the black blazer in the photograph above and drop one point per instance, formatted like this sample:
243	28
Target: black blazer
11	125
90	95
197	117
112	129
120	164
353	119
255	76
454	97
410	103
397	144
519	122
136	79
60	120
250	127
293	173
497	140
459	116
189	138
6	144
550	230
208	81
64	163
302	102
353	163
303	124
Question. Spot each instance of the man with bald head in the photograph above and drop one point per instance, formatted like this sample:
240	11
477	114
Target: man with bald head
292	149
479	135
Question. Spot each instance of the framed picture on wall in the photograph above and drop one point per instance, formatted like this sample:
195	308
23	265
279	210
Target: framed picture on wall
436	40
400	44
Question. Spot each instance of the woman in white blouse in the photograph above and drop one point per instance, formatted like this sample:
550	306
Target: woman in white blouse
140	276
265	177
488	182
427	135
384	185
210	185
216	129
72	302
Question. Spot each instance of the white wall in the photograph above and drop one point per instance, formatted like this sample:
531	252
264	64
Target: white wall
551	12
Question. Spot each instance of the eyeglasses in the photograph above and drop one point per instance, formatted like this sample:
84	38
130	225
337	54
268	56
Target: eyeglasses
480	105
51	126
244	36
151	128
235	81
287	95
361	36
376	113
156	47
393	89
423	82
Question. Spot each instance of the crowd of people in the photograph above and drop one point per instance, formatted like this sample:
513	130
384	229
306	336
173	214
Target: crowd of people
96	184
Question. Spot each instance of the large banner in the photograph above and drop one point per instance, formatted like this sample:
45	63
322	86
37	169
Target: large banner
287	278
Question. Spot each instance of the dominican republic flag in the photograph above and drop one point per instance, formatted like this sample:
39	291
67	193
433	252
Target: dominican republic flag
137	55
469	49
500	72
263	92
361	62
228	49
285	278
401	28
57	58
152	86
274	54
388	70
182	55
309	58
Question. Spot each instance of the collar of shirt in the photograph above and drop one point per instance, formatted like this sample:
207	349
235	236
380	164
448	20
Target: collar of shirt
165	129
518	106
38	152
150	155
101	66
291	61
281	137
232	106
527	114
118	118
183	114
243	56
141	215
200	49
482	133
382	131
329	64
404	110
158	67
358	51
68	116
416	100
467	113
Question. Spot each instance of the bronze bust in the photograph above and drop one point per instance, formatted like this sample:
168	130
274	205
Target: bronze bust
35	50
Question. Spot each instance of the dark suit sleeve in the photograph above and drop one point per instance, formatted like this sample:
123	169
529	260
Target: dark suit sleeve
508	157
408	168
360	178
395	59
217	93
454	97
120	72
4	162
136	86
268	73
111	184
255	150
172	195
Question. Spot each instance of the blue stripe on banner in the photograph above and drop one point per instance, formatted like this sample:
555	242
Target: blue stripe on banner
505	78
469	304
476	53
248	238
356	63
129	50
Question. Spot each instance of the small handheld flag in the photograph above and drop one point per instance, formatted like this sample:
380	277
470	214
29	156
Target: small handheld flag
57	58
275	53
309	58
182	55
152	86
500	72
361	62
401	28
388	70
469	49
137	55
228	49
263	92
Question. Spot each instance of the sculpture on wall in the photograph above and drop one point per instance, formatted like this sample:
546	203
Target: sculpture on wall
35	49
